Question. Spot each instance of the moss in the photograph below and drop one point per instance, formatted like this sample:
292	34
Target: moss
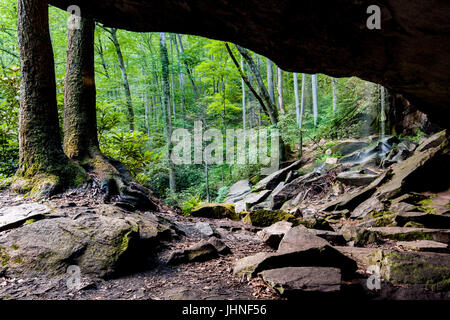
18	260
265	218
412	224
409	269
29	221
215	211
125	242
4	257
15	247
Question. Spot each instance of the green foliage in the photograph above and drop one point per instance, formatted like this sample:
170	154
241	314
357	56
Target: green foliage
191	204
9	111
221	194
130	149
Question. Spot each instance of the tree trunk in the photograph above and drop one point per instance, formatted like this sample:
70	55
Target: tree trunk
243	96
166	108
280	90
125	83
40	150
80	122
188	71
333	83
270	79
271	109
315	100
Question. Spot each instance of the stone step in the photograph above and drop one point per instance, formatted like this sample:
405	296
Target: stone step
403	234
303	281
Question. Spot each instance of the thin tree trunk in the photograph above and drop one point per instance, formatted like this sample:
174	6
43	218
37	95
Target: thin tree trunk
270	79
297	99
166	107
181	80
333	83
271	109
188	71
123	71
280	90
243	97
315	100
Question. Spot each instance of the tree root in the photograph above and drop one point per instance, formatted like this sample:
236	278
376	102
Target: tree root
110	174
118	185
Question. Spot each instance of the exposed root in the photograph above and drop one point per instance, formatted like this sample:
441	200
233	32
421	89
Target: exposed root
118	184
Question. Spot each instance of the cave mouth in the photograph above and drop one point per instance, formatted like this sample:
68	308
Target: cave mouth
409	54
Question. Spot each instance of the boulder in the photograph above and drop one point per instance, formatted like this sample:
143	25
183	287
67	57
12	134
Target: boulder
266	218
247	266
424	245
14	216
298	281
427	269
272	235
356	178
238	191
102	245
201	251
220	246
272	180
307	249
215	211
206	230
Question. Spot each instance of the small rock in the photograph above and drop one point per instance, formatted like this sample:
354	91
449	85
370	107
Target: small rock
272	235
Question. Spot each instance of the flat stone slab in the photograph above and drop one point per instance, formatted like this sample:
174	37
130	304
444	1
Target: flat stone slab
272	235
428	220
354	178
272	180
294	281
405	234
12	217
424	245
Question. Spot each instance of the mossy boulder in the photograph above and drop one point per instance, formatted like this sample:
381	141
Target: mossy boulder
266	218
102	245
216	211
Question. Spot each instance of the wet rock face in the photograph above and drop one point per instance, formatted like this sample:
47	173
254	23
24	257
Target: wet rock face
409	54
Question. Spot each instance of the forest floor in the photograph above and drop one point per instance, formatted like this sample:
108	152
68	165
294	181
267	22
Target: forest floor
206	280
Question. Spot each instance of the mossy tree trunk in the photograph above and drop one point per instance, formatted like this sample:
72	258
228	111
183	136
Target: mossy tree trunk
43	167
80	121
